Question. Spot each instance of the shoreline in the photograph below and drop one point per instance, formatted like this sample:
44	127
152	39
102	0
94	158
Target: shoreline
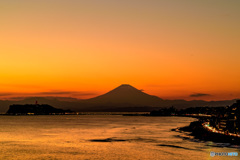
198	131
196	128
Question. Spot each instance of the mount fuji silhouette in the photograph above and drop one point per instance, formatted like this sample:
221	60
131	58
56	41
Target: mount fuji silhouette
126	94
127	98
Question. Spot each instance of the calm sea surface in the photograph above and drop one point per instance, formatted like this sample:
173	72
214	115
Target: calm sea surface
102	137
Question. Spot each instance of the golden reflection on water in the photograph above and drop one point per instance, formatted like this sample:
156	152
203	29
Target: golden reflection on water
99	137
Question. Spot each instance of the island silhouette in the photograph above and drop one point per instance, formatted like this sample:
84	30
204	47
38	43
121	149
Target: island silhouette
34	109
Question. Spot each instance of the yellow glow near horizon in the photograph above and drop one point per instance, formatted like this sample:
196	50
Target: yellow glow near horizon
169	49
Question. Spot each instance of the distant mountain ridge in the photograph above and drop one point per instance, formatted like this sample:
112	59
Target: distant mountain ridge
124	98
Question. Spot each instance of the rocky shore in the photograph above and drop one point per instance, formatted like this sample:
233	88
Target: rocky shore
197	130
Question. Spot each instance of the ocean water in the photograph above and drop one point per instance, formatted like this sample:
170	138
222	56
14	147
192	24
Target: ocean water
102	137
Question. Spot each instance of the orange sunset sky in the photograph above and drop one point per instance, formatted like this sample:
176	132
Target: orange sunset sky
174	49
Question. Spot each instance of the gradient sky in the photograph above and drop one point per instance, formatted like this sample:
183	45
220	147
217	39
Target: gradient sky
175	49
